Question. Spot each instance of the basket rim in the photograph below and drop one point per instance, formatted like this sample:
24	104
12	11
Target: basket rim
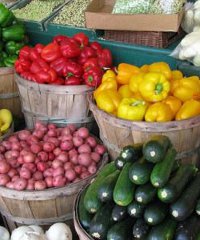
142	125
6	70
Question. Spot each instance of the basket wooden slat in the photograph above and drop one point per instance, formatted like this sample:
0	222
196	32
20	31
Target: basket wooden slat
117	133
9	95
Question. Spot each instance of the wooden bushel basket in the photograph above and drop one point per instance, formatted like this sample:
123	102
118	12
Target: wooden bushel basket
9	95
117	133
53	103
43	207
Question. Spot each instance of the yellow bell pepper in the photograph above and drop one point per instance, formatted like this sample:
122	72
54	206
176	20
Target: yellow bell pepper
135	82
190	108
108	100
132	109
154	87
108	74
109	83
125	71
159	112
174	103
144	68
5	119
125	92
161	67
176	74
186	88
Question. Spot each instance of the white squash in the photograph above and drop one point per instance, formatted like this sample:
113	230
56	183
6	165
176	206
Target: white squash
4	234
19	232
33	236
59	231
37	229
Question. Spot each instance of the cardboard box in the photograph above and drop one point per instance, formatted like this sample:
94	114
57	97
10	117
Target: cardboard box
99	15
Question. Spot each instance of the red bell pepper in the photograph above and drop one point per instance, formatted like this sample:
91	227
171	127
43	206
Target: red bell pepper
35	67
72	81
86	53
39	47
90	62
58	65
34	55
60	39
96	46
72	69
82	39
70	49
22	65
25	52
43	64
58	81
93	76
105	58
46	77
51	52
28	76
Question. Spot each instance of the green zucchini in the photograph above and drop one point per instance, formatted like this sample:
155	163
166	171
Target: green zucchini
101	222
124	189
135	209
121	230
131	152
162	170
163	231
188	229
140	172
84	216
172	190
91	201
186	203
155	148
120	162
140	229
197	209
145	193
106	186
119	213
155	213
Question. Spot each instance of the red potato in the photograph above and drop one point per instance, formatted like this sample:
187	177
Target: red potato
30	185
38	176
25	173
51	156
52	133
59	181
20	160
49	181
29	157
20	184
2	149
72	127
91	141
14	153
16	146
59	130
43	156
13	163
40	185
74	159
70	175
85	175
4	167
68	165
66	145
84	169
12	172
35	147
4	179
13	138
39	134
49	163
65	138
58	172
40	125
100	149
95	157
10	185
92	169
48	172
32	139
57	151
63	157
30	166
48	147
14	178
75	134
85	148
66	131
54	140
6	144
24	134
2	157
77	141
23	144
57	163
51	126
85	159
8	154
42	166
83	132
78	169
72	152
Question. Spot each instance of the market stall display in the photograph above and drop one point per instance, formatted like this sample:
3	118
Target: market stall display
159	207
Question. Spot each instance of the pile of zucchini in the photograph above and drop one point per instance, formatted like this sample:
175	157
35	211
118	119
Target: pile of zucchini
144	194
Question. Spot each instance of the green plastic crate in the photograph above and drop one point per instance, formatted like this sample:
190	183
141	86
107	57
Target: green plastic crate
34	25
68	29
188	69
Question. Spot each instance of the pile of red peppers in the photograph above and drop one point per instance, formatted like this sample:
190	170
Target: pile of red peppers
65	61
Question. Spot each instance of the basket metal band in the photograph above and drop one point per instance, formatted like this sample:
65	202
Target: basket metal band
9	95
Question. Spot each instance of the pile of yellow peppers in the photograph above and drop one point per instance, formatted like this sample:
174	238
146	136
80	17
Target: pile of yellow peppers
153	93
6	120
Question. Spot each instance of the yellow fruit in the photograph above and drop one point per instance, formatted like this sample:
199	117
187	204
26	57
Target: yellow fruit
5	119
